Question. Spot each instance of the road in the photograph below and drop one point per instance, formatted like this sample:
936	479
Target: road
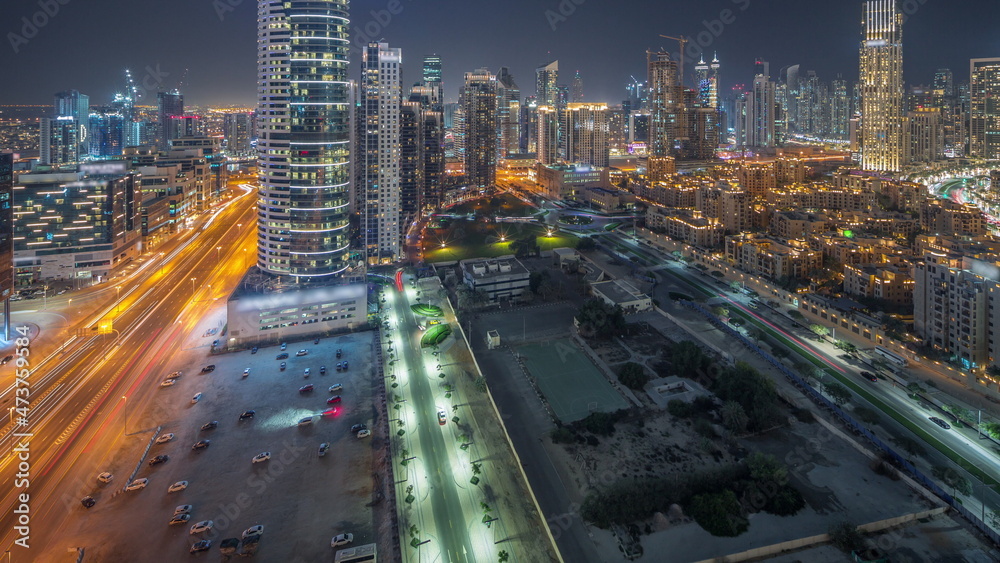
905	416
82	397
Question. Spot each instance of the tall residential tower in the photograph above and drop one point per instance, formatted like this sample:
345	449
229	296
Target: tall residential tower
882	131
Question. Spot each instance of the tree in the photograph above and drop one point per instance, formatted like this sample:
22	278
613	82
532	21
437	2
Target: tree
866	415
839	393
819	330
734	417
719	514
846	537
688	359
598	319
846	346
524	247
536	279
993	429
586	244
736	286
753	391
633	376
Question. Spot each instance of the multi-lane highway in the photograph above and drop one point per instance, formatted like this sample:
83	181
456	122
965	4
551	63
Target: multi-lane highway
82	395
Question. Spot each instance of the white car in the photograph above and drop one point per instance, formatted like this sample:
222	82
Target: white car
105	477
174	375
246	372
196	398
342	539
302	353
253	531
178	486
261	457
336	388
164	438
167	382
138	484
442	416
183	509
364	433
306	421
203	526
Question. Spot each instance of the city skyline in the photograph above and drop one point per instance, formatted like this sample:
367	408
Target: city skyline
825	39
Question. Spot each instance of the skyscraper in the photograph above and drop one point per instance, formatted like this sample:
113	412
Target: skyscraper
547	134
479	102
882	143
508	113
577	94
840	109
984	108
59	141
433	78
238	130
707	75
72	103
665	103
379	152
547	84
6	236
303	138
168	104
585	133
758	112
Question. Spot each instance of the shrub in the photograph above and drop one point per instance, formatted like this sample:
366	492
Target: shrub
563	435
719	514
679	409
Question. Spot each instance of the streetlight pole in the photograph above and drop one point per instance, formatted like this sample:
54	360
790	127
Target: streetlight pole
118	299
218	253
125	410
192	286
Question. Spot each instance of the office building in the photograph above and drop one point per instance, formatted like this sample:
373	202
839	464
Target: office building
881	84
59	141
508	114
378	183
168	104
6	236
479	102
984	110
78	225
432	150
758	129
547	84
707	77
238	131
433	78
72	103
576	95
665	104
585	134
106	135
926	135
547	140
840	110
303	139
502	279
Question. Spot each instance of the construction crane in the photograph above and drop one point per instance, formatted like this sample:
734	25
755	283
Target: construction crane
683	41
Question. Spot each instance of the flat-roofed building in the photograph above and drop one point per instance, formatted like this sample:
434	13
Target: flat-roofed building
501	279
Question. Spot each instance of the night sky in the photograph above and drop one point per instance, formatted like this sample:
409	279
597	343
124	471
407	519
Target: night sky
88	43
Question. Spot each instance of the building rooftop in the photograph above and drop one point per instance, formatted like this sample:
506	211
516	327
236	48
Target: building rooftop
484	268
618	291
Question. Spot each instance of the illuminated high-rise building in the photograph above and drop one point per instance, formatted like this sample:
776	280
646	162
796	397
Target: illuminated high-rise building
984	108
577	94
303	138
433	77
547	84
547	134
665	103
72	103
840	109
757	111
479	102
508	113
881	84
169	104
59	141
707	75
585	134
6	236
378	156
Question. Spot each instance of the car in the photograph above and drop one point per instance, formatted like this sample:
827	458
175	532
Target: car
105	477
138	484
167	382
208	369
869	376
284	346
316	341
282	366
333	400
6	359
88	502
261	457
210	425
179	518
253	350
247	414
342	539
174	375
336	387
196	398
177	487
281	357
940	423
183	509
305	421
358	428
246	372
323	448
164	438
322	370
345	365
364	433
253	531
301	353
203	526
307	372
339	353
200	546
340	366
201	445
159	459
442	416
306	388
215	343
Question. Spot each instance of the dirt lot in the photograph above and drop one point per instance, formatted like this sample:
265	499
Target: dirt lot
301	499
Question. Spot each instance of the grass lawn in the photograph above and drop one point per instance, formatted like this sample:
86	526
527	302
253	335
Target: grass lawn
479	243
503	205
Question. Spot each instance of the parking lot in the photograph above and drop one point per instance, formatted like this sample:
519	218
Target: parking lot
300	498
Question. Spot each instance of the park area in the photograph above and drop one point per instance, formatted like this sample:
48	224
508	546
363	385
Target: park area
571	383
502	205
461	239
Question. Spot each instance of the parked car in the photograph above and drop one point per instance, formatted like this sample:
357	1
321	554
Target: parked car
307	372
138	484
196	398
358	428
246	372
322	370
364	433
261	457
306	389
105	477
342	539
339	353
159	459
200	546
164	438
301	353
869	376
940	423
336	388
247	414
282	366
208	369
88	502
282	356
253	531
167	382
305	421
210	425
177	487
203	526
323	448
201	445
174	375
183	509
345	365
253	350
442	416
179	519
333	400
284	346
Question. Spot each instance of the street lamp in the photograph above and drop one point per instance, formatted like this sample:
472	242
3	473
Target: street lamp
118	303
192	286
125	410
218	252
